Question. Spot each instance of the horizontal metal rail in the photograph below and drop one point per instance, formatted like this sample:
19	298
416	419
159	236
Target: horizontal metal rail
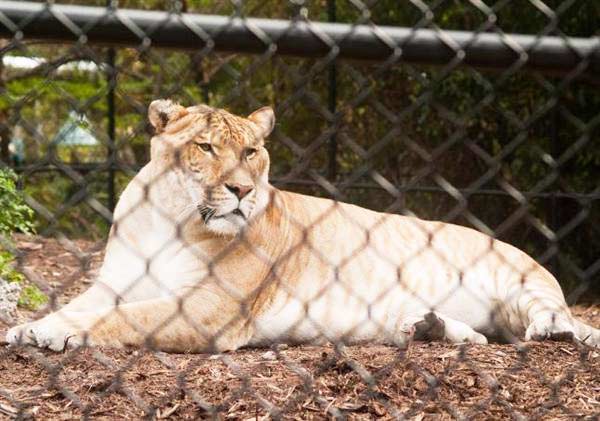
68	23
84	169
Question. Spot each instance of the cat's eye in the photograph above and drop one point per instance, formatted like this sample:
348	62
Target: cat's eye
206	147
250	152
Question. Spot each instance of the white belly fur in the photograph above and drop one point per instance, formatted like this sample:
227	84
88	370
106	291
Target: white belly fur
371	295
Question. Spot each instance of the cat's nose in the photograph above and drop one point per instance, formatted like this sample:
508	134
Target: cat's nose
240	190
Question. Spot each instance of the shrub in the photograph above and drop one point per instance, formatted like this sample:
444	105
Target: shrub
15	216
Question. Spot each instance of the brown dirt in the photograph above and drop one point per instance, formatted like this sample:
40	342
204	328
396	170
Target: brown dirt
428	381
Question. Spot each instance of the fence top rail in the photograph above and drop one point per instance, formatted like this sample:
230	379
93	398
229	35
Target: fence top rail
70	23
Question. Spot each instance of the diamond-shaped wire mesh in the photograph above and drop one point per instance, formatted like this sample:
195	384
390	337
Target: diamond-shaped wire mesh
155	263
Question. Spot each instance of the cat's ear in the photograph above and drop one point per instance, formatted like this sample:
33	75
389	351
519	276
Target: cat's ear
264	121
164	111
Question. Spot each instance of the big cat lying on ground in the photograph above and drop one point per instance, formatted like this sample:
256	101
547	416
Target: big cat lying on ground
205	256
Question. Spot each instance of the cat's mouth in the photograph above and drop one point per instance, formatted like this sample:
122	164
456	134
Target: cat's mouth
209	213
235	212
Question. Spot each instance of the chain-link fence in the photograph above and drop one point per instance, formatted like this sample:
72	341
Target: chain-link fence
221	295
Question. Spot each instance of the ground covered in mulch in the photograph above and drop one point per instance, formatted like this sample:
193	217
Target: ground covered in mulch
428	381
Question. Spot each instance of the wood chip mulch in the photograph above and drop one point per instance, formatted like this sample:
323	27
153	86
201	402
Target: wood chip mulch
550	380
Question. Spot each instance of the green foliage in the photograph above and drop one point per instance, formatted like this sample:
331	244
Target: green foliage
16	216
7	272
32	297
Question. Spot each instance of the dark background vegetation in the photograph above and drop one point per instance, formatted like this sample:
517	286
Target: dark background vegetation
406	135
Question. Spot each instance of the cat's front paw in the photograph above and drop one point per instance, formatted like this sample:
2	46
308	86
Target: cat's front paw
55	331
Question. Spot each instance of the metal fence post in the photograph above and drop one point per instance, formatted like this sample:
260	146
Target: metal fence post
111	79
554	203
4	129
332	99
200	78
110	114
